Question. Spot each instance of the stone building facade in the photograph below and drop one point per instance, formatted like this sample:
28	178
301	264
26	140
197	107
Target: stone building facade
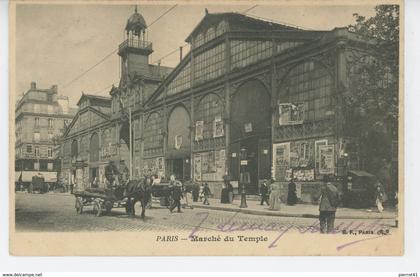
250	92
41	118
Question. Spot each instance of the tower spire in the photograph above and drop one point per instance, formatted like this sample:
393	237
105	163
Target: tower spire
135	9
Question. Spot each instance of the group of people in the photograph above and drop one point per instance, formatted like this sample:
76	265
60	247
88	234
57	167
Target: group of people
271	194
178	191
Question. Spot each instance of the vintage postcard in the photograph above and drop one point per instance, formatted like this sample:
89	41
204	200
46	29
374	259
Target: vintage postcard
206	128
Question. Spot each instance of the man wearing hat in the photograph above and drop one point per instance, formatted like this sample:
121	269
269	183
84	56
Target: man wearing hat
264	193
176	194
328	205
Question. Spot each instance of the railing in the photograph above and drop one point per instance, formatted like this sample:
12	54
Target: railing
136	43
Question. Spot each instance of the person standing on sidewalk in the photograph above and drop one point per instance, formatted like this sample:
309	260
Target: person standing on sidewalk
275	194
291	192
176	196
264	193
328	206
379	197
206	193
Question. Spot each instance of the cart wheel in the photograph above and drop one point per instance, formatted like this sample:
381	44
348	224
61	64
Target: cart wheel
108	206
97	209
79	206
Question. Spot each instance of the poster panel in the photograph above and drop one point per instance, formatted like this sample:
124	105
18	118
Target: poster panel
326	159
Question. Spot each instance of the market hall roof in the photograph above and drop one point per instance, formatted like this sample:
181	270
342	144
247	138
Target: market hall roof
136	23
238	22
104	100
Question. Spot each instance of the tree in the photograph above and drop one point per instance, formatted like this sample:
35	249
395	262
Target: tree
372	98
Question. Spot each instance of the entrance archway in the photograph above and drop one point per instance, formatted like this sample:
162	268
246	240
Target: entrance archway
251	133
178	146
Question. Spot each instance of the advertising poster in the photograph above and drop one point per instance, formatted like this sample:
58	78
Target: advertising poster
281	160
326	159
199	130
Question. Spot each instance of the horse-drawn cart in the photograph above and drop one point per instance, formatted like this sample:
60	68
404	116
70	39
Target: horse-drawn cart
102	200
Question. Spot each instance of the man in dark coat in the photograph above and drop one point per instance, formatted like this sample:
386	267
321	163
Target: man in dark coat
206	193
291	193
264	193
328	206
176	197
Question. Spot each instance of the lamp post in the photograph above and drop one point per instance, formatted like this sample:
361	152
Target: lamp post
243	177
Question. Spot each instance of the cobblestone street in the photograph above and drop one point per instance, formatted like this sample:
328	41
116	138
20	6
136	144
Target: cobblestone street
56	213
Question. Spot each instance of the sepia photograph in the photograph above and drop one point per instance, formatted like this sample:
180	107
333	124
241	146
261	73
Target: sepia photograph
226	129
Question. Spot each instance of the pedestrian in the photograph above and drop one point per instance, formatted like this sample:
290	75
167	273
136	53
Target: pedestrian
201	192
187	192
264	193
379	197
230	191
328	206
195	192
176	197
224	198
206	193
291	192
275	195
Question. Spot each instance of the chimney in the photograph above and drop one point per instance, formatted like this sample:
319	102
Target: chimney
180	53
33	85
54	88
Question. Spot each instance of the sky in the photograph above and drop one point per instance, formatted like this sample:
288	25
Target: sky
57	43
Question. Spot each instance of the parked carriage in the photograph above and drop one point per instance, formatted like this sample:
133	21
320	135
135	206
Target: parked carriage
102	200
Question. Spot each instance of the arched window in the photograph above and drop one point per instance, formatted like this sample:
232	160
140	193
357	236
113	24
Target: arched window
309	84
209	115
105	137
74	148
153	131
94	148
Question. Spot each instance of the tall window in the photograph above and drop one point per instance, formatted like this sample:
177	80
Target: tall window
309	83
246	52
37	136
210	64
50	123
210	34
50	152
181	82
36	151
36	122
29	149
209	110
199	40
153	132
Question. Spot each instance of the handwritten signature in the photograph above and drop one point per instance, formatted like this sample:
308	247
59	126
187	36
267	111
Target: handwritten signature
230	226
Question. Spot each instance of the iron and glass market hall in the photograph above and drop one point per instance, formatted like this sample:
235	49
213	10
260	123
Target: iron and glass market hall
250	96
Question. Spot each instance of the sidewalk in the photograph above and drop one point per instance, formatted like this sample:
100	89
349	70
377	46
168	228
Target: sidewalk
299	210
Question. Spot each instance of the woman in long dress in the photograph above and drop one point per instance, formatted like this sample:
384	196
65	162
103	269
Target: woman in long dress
275	194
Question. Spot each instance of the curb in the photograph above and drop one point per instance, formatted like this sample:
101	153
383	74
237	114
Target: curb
282	214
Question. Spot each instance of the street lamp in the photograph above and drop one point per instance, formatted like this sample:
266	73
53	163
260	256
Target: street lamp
243	177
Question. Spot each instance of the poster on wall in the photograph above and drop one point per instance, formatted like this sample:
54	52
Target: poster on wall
281	160
178	141
318	143
197	167
160	166
290	114
218	127
326	159
199	130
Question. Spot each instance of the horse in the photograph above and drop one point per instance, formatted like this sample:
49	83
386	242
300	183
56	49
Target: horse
137	190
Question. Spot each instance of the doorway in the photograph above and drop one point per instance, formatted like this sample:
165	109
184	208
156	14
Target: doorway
250	133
